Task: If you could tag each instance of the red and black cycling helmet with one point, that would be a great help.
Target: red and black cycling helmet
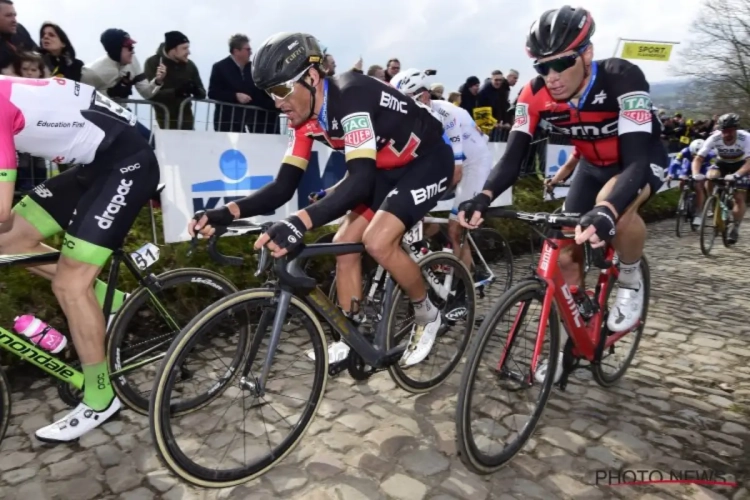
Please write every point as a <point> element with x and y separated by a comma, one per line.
<point>560,30</point>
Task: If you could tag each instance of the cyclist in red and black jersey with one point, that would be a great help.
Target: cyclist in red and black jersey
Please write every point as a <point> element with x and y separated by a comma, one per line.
<point>398,167</point>
<point>605,108</point>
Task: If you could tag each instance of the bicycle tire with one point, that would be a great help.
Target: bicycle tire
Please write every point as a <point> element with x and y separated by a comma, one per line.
<point>467,450</point>
<point>501,246</point>
<point>129,395</point>
<point>159,409</point>
<point>5,403</point>
<point>725,224</point>
<point>691,211</point>
<point>400,375</point>
<point>711,202</point>
<point>681,214</point>
<point>602,378</point>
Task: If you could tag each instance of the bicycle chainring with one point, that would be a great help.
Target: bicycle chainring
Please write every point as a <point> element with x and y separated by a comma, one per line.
<point>69,394</point>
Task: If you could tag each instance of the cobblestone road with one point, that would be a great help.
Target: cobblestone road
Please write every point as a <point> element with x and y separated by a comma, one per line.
<point>683,405</point>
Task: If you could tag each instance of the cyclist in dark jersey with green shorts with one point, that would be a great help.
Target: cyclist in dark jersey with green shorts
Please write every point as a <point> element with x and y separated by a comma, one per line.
<point>96,204</point>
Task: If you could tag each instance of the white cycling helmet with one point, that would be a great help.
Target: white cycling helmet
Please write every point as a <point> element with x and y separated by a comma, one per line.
<point>410,81</point>
<point>696,146</point>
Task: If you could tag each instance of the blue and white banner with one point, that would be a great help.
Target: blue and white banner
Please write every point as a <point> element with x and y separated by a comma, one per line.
<point>557,156</point>
<point>208,169</point>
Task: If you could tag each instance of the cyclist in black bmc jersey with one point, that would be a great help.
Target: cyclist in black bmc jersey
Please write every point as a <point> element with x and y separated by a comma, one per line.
<point>605,108</point>
<point>95,204</point>
<point>398,167</point>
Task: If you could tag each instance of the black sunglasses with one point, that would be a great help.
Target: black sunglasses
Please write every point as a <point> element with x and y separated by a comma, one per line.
<point>559,64</point>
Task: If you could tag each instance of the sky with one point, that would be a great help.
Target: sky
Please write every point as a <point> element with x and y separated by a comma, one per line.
<point>459,38</point>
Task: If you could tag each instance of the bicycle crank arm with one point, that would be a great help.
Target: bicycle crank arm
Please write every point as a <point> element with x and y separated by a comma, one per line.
<point>391,357</point>
<point>337,367</point>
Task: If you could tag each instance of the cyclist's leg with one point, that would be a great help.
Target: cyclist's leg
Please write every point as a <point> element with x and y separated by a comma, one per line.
<point>103,217</point>
<point>416,191</point>
<point>349,266</point>
<point>580,199</point>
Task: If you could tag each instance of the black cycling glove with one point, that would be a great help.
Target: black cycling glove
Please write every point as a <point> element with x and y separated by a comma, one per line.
<point>216,216</point>
<point>603,220</point>
<point>287,233</point>
<point>480,203</point>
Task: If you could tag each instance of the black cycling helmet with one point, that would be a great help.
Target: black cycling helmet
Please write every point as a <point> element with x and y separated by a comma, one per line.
<point>283,57</point>
<point>729,120</point>
<point>559,30</point>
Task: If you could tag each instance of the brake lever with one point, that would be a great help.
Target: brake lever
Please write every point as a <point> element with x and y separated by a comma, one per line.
<point>262,261</point>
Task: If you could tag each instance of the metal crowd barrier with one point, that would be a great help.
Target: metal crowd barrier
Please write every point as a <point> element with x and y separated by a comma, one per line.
<point>209,114</point>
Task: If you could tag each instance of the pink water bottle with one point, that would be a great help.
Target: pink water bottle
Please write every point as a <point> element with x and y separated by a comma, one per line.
<point>40,333</point>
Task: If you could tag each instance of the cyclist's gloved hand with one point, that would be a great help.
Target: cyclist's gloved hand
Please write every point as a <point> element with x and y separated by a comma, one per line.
<point>698,177</point>
<point>316,196</point>
<point>205,222</point>
<point>283,236</point>
<point>471,212</point>
<point>730,177</point>
<point>597,226</point>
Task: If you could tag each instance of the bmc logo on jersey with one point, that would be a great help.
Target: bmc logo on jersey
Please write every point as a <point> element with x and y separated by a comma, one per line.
<point>423,194</point>
<point>588,131</point>
<point>106,219</point>
<point>392,102</point>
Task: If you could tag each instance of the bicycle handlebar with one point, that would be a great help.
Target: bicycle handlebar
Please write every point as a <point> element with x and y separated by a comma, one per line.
<point>553,220</point>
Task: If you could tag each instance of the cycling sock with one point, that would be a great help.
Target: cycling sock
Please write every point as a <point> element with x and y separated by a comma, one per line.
<point>424,311</point>
<point>100,290</point>
<point>97,391</point>
<point>630,274</point>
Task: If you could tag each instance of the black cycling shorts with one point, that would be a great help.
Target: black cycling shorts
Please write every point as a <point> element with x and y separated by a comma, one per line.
<point>726,168</point>
<point>410,192</point>
<point>589,180</point>
<point>95,203</point>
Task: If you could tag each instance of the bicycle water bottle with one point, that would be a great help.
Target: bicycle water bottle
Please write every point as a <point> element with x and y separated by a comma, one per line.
<point>40,333</point>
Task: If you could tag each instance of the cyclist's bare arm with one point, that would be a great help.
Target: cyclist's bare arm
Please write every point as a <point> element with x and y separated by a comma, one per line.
<point>566,170</point>
<point>744,169</point>
<point>696,165</point>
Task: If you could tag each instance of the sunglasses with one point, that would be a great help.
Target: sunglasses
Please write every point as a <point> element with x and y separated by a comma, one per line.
<point>284,90</point>
<point>559,64</point>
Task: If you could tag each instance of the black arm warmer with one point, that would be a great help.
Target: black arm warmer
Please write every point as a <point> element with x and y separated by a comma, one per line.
<point>273,195</point>
<point>508,169</point>
<point>634,156</point>
<point>352,191</point>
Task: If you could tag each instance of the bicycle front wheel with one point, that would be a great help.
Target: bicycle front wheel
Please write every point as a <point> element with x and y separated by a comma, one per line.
<point>681,214</point>
<point>498,373</point>
<point>4,403</point>
<point>146,325</point>
<point>250,426</point>
<point>709,227</point>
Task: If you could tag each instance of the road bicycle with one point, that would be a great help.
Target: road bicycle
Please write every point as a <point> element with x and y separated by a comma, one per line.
<point>717,214</point>
<point>289,305</point>
<point>686,209</point>
<point>503,377</point>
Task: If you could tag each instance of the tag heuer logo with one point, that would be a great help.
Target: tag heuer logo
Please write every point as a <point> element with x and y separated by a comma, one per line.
<point>357,129</point>
<point>636,107</point>
<point>522,116</point>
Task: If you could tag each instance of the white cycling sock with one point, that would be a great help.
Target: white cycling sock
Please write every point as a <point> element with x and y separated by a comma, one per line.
<point>630,274</point>
<point>424,311</point>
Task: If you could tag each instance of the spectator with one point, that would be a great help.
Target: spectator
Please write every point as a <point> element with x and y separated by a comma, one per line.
<point>58,53</point>
<point>116,73</point>
<point>32,170</point>
<point>454,98</point>
<point>437,90</point>
<point>13,37</point>
<point>512,78</point>
<point>181,81</point>
<point>494,94</point>
<point>376,71</point>
<point>329,65</point>
<point>469,94</point>
<point>509,109</point>
<point>392,69</point>
<point>232,82</point>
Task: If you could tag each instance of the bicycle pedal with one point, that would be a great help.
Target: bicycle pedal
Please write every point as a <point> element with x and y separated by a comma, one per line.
<point>337,367</point>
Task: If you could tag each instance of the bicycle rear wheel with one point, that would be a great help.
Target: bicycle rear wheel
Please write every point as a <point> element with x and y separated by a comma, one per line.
<point>598,370</point>
<point>503,378</point>
<point>241,416</point>
<point>681,214</point>
<point>708,232</point>
<point>5,405</point>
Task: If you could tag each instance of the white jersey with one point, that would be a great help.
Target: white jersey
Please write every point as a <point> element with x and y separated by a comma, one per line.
<point>737,152</point>
<point>467,141</point>
<point>47,118</point>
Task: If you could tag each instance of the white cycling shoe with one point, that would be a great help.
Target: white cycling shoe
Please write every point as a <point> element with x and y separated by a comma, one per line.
<point>421,340</point>
<point>541,371</point>
<point>77,423</point>
<point>337,351</point>
<point>626,313</point>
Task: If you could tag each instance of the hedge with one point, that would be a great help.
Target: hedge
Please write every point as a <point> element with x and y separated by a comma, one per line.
<point>26,293</point>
